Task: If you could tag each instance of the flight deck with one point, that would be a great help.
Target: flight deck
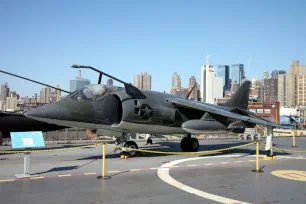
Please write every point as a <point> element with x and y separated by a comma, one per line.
<point>222,177</point>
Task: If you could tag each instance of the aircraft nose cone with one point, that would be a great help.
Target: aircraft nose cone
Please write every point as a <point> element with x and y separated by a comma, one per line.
<point>49,111</point>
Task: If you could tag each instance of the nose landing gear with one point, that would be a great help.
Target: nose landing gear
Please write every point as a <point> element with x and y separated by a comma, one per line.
<point>132,145</point>
<point>123,141</point>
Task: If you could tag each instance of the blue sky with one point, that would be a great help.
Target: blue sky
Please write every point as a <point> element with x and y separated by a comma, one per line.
<point>41,39</point>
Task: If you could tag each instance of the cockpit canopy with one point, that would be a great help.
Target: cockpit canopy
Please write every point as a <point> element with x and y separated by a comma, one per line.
<point>94,92</point>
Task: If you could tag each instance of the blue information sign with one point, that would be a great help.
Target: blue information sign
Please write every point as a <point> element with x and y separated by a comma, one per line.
<point>27,139</point>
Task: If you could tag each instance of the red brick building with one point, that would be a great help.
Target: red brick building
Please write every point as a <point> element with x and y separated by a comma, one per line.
<point>267,111</point>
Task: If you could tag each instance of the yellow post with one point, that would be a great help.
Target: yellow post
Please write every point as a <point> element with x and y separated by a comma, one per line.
<point>257,156</point>
<point>293,139</point>
<point>103,160</point>
<point>257,159</point>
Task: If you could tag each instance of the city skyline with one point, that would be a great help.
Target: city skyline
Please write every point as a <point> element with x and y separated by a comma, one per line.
<point>107,80</point>
<point>126,40</point>
<point>271,88</point>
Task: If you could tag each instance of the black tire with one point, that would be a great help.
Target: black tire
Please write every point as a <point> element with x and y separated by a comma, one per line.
<point>270,153</point>
<point>194,145</point>
<point>185,144</point>
<point>149,141</point>
<point>133,145</point>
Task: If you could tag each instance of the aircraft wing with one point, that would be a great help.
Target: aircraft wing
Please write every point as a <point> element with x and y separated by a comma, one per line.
<point>196,105</point>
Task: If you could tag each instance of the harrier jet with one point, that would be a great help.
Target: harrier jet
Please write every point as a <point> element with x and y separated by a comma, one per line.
<point>127,109</point>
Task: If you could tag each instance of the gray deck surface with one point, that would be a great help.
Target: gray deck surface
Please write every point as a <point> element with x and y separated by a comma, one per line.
<point>231,180</point>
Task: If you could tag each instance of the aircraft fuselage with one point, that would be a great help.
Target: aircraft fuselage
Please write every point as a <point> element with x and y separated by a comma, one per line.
<point>118,111</point>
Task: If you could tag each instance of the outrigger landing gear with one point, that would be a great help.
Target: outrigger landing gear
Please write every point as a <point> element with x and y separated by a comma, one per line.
<point>149,139</point>
<point>189,144</point>
<point>269,142</point>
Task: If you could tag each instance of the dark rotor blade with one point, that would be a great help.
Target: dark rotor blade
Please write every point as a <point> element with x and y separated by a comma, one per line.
<point>191,91</point>
<point>90,67</point>
<point>37,82</point>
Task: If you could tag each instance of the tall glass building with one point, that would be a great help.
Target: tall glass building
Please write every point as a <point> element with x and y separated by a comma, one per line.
<point>78,83</point>
<point>237,73</point>
<point>223,71</point>
<point>275,73</point>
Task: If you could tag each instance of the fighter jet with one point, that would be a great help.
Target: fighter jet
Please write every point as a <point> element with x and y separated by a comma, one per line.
<point>127,109</point>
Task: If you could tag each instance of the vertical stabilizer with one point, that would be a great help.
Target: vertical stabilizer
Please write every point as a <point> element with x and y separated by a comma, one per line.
<point>241,98</point>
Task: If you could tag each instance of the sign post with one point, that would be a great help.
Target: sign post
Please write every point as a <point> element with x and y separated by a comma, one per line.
<point>26,166</point>
<point>26,141</point>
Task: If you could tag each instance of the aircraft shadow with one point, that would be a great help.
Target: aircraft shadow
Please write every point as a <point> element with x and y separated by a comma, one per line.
<point>57,169</point>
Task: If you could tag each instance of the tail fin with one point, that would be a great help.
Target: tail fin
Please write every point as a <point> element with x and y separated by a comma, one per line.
<point>241,98</point>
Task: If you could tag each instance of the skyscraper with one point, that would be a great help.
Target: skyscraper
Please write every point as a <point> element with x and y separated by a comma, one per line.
<point>193,82</point>
<point>265,75</point>
<point>256,89</point>
<point>275,73</point>
<point>237,73</point>
<point>45,95</point>
<point>223,71</point>
<point>217,88</point>
<point>4,92</point>
<point>57,93</point>
<point>270,91</point>
<point>199,92</point>
<point>234,86</point>
<point>282,89</point>
<point>176,81</point>
<point>78,83</point>
<point>143,81</point>
<point>288,84</point>
<point>109,82</point>
<point>11,103</point>
<point>301,90</point>
<point>12,94</point>
<point>211,86</point>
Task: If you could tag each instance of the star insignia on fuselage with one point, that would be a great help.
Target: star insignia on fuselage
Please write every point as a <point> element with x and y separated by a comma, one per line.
<point>145,111</point>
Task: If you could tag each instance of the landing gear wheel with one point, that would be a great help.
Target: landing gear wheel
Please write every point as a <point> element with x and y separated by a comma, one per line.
<point>133,145</point>
<point>184,144</point>
<point>189,144</point>
<point>270,153</point>
<point>194,144</point>
<point>149,141</point>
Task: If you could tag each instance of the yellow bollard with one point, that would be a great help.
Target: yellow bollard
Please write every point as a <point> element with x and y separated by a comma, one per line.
<point>103,163</point>
<point>293,139</point>
<point>257,156</point>
<point>257,159</point>
<point>103,160</point>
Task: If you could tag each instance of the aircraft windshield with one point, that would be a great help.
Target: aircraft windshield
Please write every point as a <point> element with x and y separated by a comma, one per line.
<point>92,92</point>
<point>101,90</point>
<point>83,94</point>
<point>98,90</point>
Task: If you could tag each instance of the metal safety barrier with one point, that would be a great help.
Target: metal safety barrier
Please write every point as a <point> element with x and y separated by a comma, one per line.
<point>182,153</point>
<point>125,148</point>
